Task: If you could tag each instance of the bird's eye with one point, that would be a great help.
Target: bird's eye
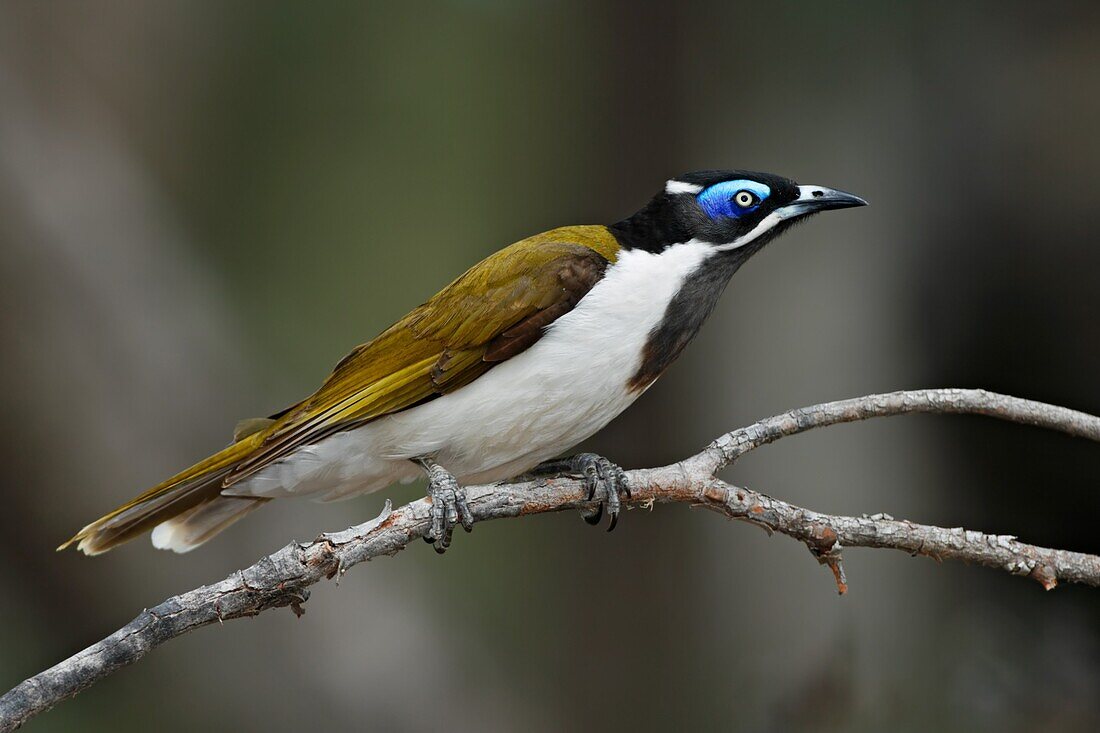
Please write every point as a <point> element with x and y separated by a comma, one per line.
<point>744,199</point>
<point>733,199</point>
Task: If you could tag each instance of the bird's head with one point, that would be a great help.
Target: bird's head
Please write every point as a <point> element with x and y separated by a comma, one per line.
<point>728,210</point>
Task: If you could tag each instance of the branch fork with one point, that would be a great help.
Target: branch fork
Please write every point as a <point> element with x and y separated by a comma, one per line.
<point>282,579</point>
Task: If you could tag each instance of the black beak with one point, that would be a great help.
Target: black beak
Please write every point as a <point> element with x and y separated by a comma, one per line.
<point>812,199</point>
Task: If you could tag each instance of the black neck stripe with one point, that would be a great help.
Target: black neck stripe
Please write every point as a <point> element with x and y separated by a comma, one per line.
<point>687,311</point>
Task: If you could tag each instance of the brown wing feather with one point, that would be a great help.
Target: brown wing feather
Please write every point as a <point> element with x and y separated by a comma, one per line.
<point>577,276</point>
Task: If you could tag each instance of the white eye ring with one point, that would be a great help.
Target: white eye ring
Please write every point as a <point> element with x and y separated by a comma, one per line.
<point>744,199</point>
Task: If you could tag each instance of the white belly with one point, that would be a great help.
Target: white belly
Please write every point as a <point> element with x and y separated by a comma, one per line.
<point>534,406</point>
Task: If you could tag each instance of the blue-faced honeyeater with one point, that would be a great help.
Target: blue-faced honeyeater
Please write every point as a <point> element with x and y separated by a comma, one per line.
<point>529,352</point>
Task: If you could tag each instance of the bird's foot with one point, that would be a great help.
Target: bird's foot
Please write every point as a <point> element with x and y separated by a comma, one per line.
<point>597,472</point>
<point>449,505</point>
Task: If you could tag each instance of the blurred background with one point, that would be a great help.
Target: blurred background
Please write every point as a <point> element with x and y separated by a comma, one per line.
<point>204,205</point>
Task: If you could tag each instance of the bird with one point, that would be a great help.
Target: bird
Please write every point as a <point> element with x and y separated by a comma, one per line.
<point>529,352</point>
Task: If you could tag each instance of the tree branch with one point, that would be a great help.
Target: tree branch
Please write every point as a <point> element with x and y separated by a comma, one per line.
<point>282,579</point>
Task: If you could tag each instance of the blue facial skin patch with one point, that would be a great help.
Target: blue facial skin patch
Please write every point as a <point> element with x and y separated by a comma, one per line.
<point>718,202</point>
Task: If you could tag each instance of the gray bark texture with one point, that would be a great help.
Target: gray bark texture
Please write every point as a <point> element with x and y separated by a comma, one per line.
<point>282,578</point>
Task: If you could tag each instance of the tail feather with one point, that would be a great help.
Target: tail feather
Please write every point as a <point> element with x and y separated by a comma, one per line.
<point>197,486</point>
<point>186,531</point>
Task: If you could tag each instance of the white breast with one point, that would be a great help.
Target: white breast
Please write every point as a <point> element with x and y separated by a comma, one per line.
<point>538,404</point>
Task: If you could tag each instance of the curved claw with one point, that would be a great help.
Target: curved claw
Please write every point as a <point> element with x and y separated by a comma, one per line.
<point>595,517</point>
<point>597,472</point>
<point>449,506</point>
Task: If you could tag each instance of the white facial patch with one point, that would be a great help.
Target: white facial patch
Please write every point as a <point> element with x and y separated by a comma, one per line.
<point>764,225</point>
<point>673,186</point>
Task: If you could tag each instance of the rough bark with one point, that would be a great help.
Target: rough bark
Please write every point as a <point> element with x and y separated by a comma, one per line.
<point>282,579</point>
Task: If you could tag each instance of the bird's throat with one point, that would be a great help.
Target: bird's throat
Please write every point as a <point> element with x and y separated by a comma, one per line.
<point>686,312</point>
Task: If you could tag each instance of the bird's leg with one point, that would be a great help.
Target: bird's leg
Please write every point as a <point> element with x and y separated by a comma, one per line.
<point>597,472</point>
<point>449,505</point>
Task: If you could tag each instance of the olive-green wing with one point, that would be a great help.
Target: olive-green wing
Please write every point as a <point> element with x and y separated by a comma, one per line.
<point>496,310</point>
